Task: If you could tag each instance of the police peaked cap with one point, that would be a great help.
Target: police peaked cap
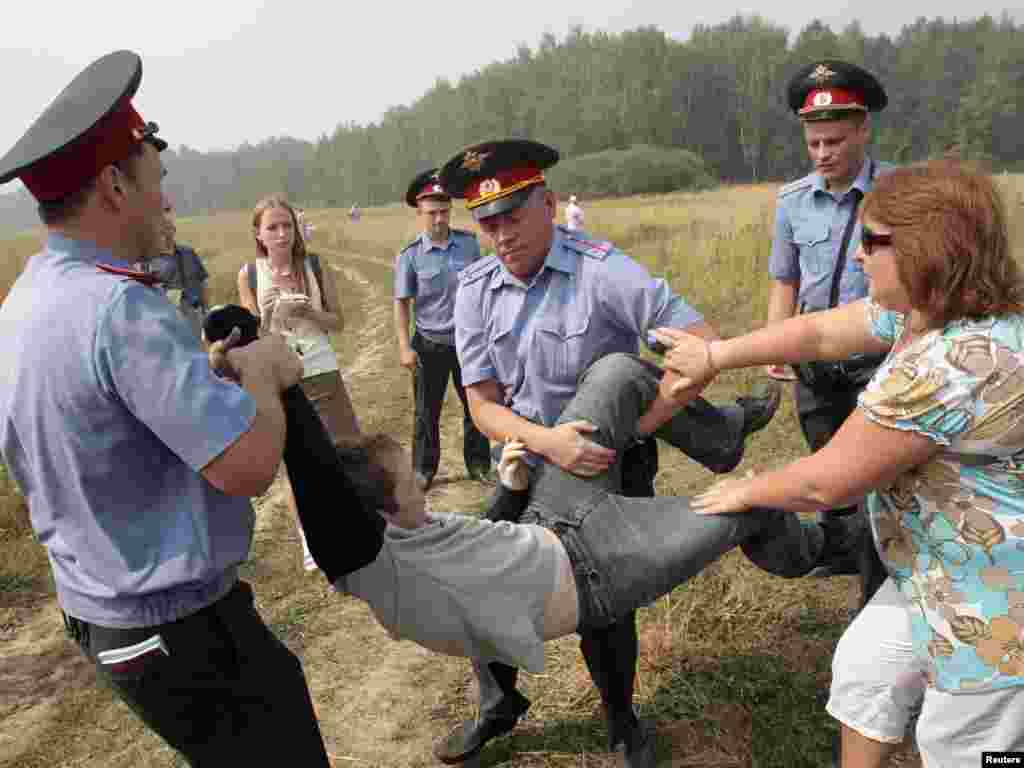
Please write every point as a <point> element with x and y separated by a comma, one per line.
<point>425,185</point>
<point>497,176</point>
<point>830,89</point>
<point>90,125</point>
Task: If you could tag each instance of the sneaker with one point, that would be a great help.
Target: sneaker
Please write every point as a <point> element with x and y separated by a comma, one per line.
<point>760,405</point>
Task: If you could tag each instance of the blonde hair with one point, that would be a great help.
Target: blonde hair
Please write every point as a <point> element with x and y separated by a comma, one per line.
<point>298,244</point>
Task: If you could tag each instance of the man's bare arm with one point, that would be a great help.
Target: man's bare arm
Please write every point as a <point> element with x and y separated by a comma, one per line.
<point>264,368</point>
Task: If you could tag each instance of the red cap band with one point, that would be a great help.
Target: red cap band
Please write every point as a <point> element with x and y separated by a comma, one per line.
<point>503,183</point>
<point>68,170</point>
<point>832,98</point>
<point>432,188</point>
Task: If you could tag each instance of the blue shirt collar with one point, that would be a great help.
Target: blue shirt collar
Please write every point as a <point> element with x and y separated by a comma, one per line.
<point>84,250</point>
<point>559,257</point>
<point>861,182</point>
<point>428,243</point>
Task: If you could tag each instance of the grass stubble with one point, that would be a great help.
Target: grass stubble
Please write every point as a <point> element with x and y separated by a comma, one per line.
<point>733,664</point>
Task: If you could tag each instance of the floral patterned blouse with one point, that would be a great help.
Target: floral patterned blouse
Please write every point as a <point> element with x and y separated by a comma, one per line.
<point>951,531</point>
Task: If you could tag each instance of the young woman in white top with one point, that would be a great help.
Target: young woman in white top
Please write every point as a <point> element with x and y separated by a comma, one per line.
<point>291,301</point>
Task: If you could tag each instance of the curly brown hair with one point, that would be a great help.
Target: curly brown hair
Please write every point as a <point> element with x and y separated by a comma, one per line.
<point>948,224</point>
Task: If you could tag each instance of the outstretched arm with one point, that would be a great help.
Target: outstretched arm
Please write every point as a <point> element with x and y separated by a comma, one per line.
<point>835,334</point>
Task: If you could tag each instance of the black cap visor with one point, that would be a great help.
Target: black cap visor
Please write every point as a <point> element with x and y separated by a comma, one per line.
<point>503,204</point>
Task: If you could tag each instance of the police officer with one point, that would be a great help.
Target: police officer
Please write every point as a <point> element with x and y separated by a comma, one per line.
<point>529,321</point>
<point>816,233</point>
<point>426,276</point>
<point>811,265</point>
<point>182,274</point>
<point>136,460</point>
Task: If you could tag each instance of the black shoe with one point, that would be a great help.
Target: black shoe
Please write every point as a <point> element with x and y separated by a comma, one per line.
<point>634,746</point>
<point>760,405</point>
<point>468,738</point>
<point>786,546</point>
<point>844,540</point>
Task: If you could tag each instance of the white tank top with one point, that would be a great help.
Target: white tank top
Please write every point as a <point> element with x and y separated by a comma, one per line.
<point>304,336</point>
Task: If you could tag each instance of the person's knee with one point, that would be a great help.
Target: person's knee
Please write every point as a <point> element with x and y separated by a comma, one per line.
<point>618,376</point>
<point>616,367</point>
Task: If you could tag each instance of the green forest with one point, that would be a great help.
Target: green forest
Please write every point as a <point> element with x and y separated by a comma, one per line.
<point>705,110</point>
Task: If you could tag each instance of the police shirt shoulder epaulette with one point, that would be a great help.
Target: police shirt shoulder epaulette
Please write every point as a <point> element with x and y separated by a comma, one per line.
<point>479,269</point>
<point>795,186</point>
<point>595,249</point>
<point>129,275</point>
<point>407,246</point>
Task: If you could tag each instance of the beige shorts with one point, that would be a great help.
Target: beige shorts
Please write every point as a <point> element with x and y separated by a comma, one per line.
<point>327,393</point>
<point>879,687</point>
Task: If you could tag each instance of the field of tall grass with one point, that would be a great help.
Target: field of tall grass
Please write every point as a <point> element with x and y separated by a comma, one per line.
<point>756,649</point>
<point>712,247</point>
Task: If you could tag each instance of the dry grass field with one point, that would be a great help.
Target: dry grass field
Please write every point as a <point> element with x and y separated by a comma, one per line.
<point>733,663</point>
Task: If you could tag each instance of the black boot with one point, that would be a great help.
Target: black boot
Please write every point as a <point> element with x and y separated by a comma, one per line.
<point>469,737</point>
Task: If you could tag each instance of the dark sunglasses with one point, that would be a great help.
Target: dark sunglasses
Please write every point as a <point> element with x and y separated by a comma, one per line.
<point>870,239</point>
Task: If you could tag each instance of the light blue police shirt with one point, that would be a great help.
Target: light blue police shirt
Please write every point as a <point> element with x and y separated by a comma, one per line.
<point>536,339</point>
<point>108,411</point>
<point>809,225</point>
<point>429,273</point>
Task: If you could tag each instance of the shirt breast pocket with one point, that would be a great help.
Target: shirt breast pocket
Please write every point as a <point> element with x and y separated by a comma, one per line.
<point>561,347</point>
<point>430,282</point>
<point>812,240</point>
<point>504,354</point>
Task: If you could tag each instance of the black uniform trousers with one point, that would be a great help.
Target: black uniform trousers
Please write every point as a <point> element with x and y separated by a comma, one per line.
<point>437,363</point>
<point>221,689</point>
<point>821,414</point>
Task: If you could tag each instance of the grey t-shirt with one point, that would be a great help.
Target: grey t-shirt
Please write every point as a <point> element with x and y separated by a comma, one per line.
<point>464,587</point>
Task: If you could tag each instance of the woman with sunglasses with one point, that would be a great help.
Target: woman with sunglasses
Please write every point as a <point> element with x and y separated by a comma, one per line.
<point>937,443</point>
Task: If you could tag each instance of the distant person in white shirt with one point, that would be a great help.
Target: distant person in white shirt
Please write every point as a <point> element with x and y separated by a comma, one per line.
<point>353,212</point>
<point>573,215</point>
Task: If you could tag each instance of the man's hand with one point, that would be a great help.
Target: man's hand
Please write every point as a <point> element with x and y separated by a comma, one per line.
<point>688,356</point>
<point>218,354</point>
<point>267,356</point>
<point>408,358</point>
<point>570,450</point>
<point>512,470</point>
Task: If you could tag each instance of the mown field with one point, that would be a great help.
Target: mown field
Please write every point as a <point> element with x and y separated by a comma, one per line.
<point>733,664</point>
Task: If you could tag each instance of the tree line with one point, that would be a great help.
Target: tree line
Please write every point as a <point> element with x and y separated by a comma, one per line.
<point>954,86</point>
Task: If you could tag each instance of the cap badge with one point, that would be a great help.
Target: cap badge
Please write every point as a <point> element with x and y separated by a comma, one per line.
<point>473,160</point>
<point>490,187</point>
<point>821,74</point>
<point>822,99</point>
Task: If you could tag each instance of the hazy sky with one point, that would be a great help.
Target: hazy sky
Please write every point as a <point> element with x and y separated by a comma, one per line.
<point>217,73</point>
